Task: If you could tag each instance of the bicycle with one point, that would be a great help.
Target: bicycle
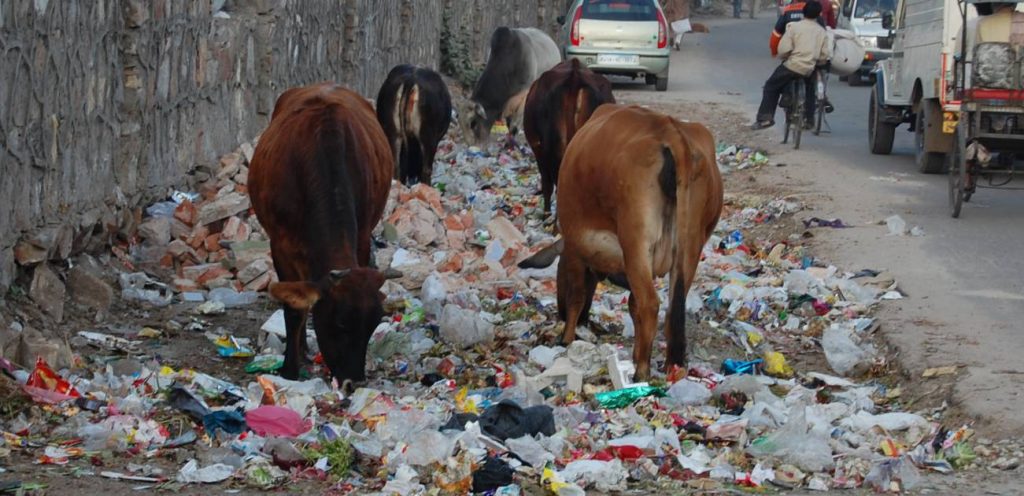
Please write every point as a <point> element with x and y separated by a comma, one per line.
<point>794,109</point>
<point>821,97</point>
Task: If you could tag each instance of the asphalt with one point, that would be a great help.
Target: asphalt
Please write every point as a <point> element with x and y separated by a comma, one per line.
<point>964,279</point>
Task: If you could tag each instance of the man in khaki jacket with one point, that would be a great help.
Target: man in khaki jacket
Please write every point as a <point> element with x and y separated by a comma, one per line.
<point>803,47</point>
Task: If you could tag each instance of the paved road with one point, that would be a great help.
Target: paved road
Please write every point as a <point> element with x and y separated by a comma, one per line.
<point>964,278</point>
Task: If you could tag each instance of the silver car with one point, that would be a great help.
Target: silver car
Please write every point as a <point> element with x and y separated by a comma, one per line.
<point>624,37</point>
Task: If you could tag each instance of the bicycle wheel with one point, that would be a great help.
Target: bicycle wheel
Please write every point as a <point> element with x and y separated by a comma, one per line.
<point>786,110</point>
<point>819,109</point>
<point>798,111</point>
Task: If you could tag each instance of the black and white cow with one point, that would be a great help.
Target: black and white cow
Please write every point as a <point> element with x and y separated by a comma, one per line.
<point>518,56</point>
<point>415,109</point>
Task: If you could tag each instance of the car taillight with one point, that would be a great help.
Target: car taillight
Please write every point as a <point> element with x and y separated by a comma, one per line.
<point>574,34</point>
<point>662,30</point>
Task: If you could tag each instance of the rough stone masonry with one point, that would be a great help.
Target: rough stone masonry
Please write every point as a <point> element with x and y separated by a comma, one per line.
<point>107,105</point>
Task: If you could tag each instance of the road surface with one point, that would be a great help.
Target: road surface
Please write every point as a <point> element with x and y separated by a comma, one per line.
<point>964,278</point>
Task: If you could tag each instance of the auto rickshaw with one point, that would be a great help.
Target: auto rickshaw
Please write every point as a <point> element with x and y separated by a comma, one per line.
<point>983,104</point>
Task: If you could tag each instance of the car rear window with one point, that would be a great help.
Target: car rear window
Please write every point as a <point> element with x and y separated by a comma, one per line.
<point>620,10</point>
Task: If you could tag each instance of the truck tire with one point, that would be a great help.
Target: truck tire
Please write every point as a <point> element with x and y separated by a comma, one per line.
<point>880,134</point>
<point>927,162</point>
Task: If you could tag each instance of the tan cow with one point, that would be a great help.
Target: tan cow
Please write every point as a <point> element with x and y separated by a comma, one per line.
<point>639,193</point>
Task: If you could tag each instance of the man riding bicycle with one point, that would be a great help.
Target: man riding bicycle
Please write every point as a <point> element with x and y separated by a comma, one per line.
<point>803,47</point>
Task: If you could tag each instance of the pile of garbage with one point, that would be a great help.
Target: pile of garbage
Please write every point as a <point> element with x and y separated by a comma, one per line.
<point>737,157</point>
<point>208,240</point>
<point>468,391</point>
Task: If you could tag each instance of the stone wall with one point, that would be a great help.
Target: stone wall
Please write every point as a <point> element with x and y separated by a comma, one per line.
<point>106,105</point>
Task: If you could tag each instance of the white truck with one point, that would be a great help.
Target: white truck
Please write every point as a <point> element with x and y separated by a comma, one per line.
<point>911,85</point>
<point>864,19</point>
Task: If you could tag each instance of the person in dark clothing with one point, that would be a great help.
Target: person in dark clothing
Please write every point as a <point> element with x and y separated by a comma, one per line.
<point>803,47</point>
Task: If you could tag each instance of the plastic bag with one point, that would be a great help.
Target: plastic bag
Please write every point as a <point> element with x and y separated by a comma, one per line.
<point>844,355</point>
<point>464,328</point>
<point>529,450</point>
<point>44,380</point>
<point>277,421</point>
<point>794,444</point>
<point>492,474</point>
<point>891,470</point>
<point>689,393</point>
<point>605,476</point>
<point>191,473</point>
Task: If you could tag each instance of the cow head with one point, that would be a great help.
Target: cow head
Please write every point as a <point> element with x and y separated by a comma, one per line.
<point>473,121</point>
<point>347,306</point>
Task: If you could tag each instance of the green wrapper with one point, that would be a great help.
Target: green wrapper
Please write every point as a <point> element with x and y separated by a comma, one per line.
<point>623,397</point>
<point>264,363</point>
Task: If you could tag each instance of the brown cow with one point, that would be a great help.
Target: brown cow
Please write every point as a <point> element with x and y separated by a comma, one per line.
<point>639,195</point>
<point>319,181</point>
<point>559,103</point>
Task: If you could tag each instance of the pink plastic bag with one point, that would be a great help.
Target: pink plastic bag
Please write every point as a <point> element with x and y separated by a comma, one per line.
<point>279,421</point>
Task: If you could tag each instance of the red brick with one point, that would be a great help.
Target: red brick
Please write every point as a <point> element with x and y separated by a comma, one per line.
<point>217,256</point>
<point>216,271</point>
<point>198,237</point>
<point>231,226</point>
<point>186,212</point>
<point>212,243</point>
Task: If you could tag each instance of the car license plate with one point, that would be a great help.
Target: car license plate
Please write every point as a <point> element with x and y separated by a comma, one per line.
<point>617,59</point>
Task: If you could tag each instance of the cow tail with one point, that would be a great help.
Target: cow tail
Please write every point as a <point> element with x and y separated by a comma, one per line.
<point>677,196</point>
<point>411,154</point>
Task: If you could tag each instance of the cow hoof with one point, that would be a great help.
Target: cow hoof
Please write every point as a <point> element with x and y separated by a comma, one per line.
<point>641,375</point>
<point>290,373</point>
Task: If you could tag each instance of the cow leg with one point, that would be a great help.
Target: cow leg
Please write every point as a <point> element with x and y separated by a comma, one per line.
<point>427,156</point>
<point>547,184</point>
<point>683,273</point>
<point>295,342</point>
<point>572,285</point>
<point>644,305</point>
<point>590,280</point>
<point>413,161</point>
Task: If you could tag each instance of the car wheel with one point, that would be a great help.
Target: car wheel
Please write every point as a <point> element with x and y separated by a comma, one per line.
<point>880,134</point>
<point>661,83</point>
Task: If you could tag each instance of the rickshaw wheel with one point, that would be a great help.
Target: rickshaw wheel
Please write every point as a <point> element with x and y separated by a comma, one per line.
<point>957,173</point>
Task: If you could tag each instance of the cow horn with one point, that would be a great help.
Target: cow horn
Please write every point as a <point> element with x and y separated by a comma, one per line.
<point>392,274</point>
<point>338,275</point>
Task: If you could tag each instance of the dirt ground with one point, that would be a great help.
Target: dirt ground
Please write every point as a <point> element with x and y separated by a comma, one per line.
<point>183,344</point>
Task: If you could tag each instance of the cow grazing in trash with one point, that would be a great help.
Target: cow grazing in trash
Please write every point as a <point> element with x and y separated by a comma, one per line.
<point>639,194</point>
<point>559,103</point>
<point>518,56</point>
<point>319,181</point>
<point>414,108</point>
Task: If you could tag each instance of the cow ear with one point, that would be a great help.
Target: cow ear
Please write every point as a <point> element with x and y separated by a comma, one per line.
<point>297,295</point>
<point>339,275</point>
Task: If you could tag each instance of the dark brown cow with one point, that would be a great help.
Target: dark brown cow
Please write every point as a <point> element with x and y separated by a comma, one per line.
<point>639,194</point>
<point>559,103</point>
<point>319,181</point>
<point>414,109</point>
